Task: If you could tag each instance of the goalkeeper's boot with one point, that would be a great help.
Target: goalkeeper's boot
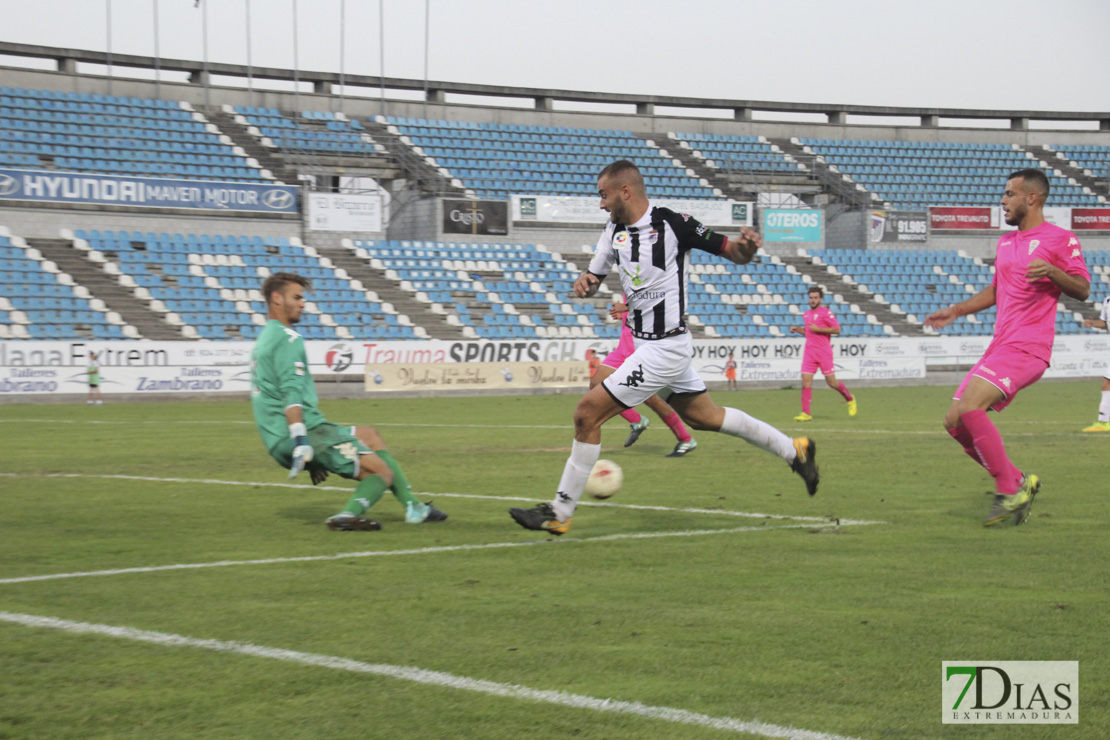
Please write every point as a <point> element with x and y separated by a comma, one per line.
<point>805,462</point>
<point>1099,426</point>
<point>541,518</point>
<point>345,522</point>
<point>852,408</point>
<point>418,513</point>
<point>637,429</point>
<point>1013,506</point>
<point>682,448</point>
<point>803,417</point>
<point>1032,484</point>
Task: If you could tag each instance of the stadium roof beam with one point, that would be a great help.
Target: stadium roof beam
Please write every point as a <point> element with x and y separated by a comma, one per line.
<point>539,99</point>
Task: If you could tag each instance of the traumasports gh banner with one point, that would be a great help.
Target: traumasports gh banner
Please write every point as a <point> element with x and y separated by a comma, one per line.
<point>145,192</point>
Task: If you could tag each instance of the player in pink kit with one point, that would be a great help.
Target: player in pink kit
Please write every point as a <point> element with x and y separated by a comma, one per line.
<point>1032,267</point>
<point>612,361</point>
<point>820,327</point>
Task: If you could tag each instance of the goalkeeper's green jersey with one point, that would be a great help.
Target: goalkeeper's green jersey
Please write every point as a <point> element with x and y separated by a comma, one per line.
<point>279,379</point>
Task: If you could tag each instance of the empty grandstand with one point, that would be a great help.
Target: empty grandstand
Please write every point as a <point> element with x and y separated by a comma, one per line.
<point>155,213</point>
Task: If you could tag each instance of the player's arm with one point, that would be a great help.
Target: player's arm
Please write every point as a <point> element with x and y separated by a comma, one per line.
<point>587,284</point>
<point>291,363</point>
<point>1076,286</point>
<point>1094,324</point>
<point>742,249</point>
<point>982,300</point>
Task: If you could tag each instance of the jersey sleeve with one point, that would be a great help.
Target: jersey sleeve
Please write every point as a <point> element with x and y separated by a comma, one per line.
<point>693,234</point>
<point>1105,309</point>
<point>290,369</point>
<point>1069,257</point>
<point>830,321</point>
<point>604,256</point>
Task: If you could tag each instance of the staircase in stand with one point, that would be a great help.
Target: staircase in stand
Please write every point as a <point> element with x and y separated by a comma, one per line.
<point>107,288</point>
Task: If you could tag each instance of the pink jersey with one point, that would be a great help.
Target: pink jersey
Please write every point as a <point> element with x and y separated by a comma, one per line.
<point>1026,318</point>
<point>819,346</point>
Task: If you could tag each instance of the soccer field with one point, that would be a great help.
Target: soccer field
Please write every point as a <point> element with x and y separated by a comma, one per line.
<point>160,577</point>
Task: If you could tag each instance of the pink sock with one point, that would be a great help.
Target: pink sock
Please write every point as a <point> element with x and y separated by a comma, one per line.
<point>807,397</point>
<point>963,436</point>
<point>988,443</point>
<point>843,389</point>
<point>676,425</point>
<point>632,416</point>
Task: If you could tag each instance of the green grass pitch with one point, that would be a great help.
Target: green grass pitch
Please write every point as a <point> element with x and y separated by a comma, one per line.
<point>160,577</point>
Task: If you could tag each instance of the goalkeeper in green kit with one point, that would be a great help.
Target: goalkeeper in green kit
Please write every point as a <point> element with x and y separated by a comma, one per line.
<point>298,437</point>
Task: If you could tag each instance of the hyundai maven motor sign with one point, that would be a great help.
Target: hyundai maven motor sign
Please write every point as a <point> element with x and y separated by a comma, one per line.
<point>146,192</point>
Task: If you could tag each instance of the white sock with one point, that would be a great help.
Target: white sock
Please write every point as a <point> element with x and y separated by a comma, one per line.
<point>575,474</point>
<point>1104,407</point>
<point>759,433</point>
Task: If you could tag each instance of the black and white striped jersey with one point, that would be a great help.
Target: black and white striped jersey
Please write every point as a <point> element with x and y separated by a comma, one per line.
<point>1105,313</point>
<point>652,257</point>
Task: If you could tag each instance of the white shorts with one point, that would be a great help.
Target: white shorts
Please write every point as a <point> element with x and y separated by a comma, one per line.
<point>656,364</point>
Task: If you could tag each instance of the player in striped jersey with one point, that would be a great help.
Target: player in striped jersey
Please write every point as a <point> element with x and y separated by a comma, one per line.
<point>650,247</point>
<point>1102,322</point>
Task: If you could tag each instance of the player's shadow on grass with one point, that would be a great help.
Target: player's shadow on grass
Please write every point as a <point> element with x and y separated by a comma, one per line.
<point>309,514</point>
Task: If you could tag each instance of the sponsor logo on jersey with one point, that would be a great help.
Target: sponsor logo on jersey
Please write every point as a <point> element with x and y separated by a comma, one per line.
<point>1076,253</point>
<point>621,240</point>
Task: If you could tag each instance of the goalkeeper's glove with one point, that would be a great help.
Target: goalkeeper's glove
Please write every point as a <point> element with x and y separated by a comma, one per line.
<point>302,450</point>
<point>317,474</point>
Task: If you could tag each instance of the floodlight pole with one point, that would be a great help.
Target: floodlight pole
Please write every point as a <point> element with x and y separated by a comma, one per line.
<point>381,52</point>
<point>108,26</point>
<point>204,38</point>
<point>296,64</point>
<point>427,12</point>
<point>342,51</point>
<point>157,56</point>
<point>250,69</point>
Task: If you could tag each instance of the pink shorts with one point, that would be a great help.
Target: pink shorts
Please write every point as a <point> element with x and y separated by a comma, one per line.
<point>1009,370</point>
<point>625,347</point>
<point>811,364</point>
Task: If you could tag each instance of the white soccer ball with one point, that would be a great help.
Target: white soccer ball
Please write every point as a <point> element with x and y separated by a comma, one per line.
<point>605,479</point>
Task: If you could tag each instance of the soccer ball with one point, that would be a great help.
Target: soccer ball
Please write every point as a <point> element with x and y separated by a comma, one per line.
<point>605,479</point>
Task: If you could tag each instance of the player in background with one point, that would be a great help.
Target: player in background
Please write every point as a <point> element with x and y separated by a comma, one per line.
<point>93,372</point>
<point>1032,267</point>
<point>819,327</point>
<point>296,434</point>
<point>1103,423</point>
<point>730,373</point>
<point>649,246</point>
<point>612,361</point>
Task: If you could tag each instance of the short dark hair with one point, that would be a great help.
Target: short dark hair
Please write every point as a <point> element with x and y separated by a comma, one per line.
<point>622,169</point>
<point>816,289</point>
<point>1035,180</point>
<point>277,282</point>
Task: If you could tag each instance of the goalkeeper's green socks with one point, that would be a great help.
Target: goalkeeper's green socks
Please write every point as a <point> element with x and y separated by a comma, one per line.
<point>401,487</point>
<point>368,492</point>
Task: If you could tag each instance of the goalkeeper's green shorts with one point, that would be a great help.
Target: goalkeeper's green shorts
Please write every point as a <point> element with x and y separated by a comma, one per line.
<point>334,448</point>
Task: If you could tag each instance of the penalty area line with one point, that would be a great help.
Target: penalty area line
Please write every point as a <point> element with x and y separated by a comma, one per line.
<point>411,551</point>
<point>439,679</point>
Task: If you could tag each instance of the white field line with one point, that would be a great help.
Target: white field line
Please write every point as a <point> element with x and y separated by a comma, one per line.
<point>600,504</point>
<point>413,551</point>
<point>938,431</point>
<point>427,677</point>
